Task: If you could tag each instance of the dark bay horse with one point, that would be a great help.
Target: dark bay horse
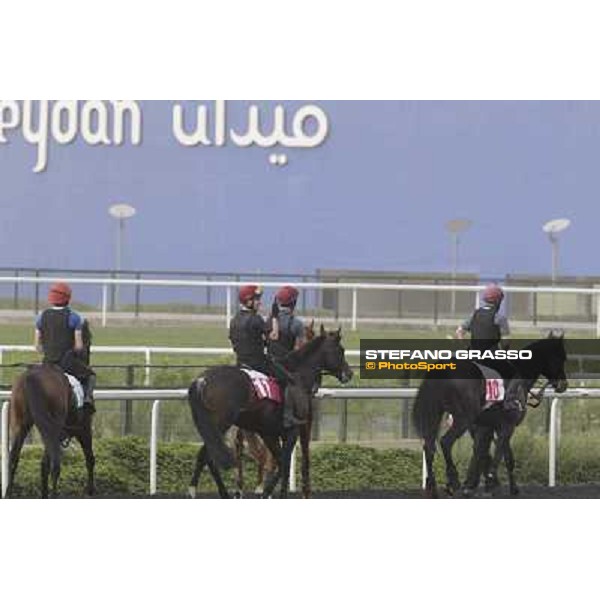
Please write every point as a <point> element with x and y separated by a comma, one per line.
<point>260,453</point>
<point>226,397</point>
<point>462,394</point>
<point>42,396</point>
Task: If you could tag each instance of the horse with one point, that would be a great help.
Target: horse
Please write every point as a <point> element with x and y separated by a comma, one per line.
<point>461,393</point>
<point>260,453</point>
<point>226,397</point>
<point>42,396</point>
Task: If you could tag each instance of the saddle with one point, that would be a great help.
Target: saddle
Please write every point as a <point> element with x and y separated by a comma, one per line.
<point>265,387</point>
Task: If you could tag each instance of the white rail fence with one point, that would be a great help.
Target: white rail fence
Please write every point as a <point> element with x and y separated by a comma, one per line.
<point>231,286</point>
<point>159,396</point>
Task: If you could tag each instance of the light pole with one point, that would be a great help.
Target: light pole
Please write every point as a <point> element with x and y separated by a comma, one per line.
<point>553,228</point>
<point>121,212</point>
<point>455,227</point>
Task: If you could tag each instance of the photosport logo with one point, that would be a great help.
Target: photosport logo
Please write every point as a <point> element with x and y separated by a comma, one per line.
<point>415,359</point>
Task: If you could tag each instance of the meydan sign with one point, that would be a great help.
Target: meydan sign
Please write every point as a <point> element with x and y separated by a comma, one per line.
<point>113,123</point>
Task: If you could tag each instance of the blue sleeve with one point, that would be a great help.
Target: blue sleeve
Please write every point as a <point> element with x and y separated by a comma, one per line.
<point>75,321</point>
<point>502,322</point>
<point>38,322</point>
<point>297,328</point>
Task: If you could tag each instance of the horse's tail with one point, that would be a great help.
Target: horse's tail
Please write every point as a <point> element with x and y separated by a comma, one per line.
<point>208,429</point>
<point>49,425</point>
<point>427,413</point>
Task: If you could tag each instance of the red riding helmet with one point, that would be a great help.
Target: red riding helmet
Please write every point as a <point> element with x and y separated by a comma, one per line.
<point>493,294</point>
<point>249,292</point>
<point>59,294</point>
<point>287,295</point>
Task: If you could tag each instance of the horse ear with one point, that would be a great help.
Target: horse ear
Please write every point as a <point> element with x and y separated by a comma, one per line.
<point>322,331</point>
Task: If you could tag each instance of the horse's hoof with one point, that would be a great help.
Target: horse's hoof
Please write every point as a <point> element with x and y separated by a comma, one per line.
<point>514,491</point>
<point>259,490</point>
<point>431,493</point>
<point>192,492</point>
<point>468,492</point>
<point>450,490</point>
<point>238,495</point>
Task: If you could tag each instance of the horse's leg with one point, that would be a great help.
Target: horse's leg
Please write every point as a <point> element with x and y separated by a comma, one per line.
<point>216,474</point>
<point>509,461</point>
<point>431,490</point>
<point>505,432</point>
<point>286,459</point>
<point>480,459</point>
<point>15,455</point>
<point>258,453</point>
<point>456,431</point>
<point>273,445</point>
<point>239,455</point>
<point>45,472</point>
<point>55,459</point>
<point>305,432</point>
<point>85,440</point>
<point>199,466</point>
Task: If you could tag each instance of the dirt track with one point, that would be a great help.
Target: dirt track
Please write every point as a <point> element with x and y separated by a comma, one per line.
<point>528,492</point>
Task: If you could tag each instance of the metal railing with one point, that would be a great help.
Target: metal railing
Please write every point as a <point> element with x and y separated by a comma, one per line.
<point>158,396</point>
<point>353,287</point>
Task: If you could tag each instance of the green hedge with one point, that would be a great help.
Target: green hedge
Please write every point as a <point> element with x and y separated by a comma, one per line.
<point>122,467</point>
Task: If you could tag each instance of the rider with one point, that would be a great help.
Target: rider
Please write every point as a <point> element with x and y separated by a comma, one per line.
<point>58,334</point>
<point>486,324</point>
<point>248,333</point>
<point>248,330</point>
<point>487,327</point>
<point>286,335</point>
<point>289,335</point>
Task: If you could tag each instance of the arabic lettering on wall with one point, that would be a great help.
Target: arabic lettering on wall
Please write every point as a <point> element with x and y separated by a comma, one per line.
<point>118,122</point>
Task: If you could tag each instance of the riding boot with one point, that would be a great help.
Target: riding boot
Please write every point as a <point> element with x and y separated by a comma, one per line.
<point>289,417</point>
<point>88,398</point>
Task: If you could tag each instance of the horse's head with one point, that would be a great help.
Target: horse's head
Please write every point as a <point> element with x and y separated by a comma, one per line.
<point>552,356</point>
<point>333,358</point>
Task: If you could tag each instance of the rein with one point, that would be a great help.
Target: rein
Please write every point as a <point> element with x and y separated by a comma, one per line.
<point>539,396</point>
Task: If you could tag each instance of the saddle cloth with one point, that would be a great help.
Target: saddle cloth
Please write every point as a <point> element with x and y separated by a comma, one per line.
<point>265,387</point>
<point>494,385</point>
<point>77,389</point>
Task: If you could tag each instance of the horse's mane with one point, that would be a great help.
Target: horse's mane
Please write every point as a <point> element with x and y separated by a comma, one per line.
<point>296,357</point>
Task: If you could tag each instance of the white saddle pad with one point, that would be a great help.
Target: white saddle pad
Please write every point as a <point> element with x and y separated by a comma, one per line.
<point>77,389</point>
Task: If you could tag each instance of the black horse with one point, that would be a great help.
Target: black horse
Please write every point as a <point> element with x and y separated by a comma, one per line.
<point>42,396</point>
<point>226,397</point>
<point>462,394</point>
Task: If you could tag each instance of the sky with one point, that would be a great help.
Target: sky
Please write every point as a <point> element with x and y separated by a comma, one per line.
<point>375,194</point>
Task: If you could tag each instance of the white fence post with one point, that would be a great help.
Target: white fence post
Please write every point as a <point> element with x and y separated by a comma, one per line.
<point>147,353</point>
<point>553,441</point>
<point>154,446</point>
<point>104,304</point>
<point>354,307</point>
<point>293,470</point>
<point>423,472</point>
<point>597,315</point>
<point>228,311</point>
<point>5,447</point>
